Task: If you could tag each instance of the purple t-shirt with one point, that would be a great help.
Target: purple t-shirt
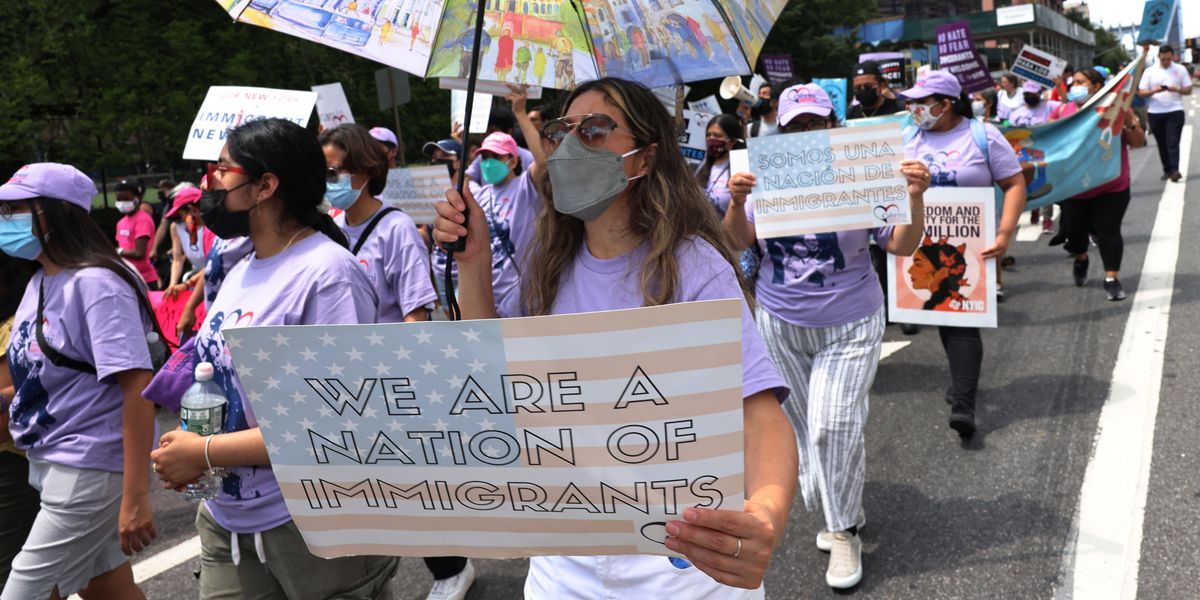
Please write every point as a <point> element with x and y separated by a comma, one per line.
<point>1031,116</point>
<point>500,203</point>
<point>590,284</point>
<point>819,279</point>
<point>956,161</point>
<point>61,415</point>
<point>315,281</point>
<point>396,263</point>
<point>220,259</point>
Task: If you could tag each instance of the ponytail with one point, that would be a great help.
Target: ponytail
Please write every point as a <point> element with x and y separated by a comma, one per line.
<point>324,224</point>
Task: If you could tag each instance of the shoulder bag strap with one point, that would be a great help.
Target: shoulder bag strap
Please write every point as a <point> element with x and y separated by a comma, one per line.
<point>362,239</point>
<point>51,353</point>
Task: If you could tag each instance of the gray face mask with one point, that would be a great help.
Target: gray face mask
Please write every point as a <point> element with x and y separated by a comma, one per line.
<point>585,181</point>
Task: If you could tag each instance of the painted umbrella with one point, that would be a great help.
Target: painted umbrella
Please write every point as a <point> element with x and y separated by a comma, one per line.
<point>551,43</point>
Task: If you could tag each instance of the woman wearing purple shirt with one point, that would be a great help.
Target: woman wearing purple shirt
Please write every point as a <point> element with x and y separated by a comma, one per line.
<point>942,114</point>
<point>79,362</point>
<point>820,309</point>
<point>268,183</point>
<point>625,225</point>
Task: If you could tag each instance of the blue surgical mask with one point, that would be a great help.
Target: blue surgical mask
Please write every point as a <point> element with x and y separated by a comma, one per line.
<point>17,238</point>
<point>1078,94</point>
<point>493,170</point>
<point>341,193</point>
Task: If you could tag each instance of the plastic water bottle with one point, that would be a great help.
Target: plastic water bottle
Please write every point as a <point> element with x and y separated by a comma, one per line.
<point>202,412</point>
<point>158,350</point>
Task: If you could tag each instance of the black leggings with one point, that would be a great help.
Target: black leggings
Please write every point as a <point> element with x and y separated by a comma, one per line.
<point>1101,216</point>
<point>964,351</point>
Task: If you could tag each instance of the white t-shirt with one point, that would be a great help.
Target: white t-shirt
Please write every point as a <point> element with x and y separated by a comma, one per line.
<point>1154,78</point>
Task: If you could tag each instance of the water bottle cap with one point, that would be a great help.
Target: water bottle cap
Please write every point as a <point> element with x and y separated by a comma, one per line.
<point>204,371</point>
<point>152,337</point>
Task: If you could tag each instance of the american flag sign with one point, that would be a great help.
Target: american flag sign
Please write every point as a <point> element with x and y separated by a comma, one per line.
<point>562,435</point>
<point>828,180</point>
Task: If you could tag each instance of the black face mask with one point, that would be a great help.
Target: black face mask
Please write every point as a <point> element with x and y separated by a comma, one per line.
<point>717,149</point>
<point>759,109</point>
<point>224,224</point>
<point>1033,100</point>
<point>866,96</point>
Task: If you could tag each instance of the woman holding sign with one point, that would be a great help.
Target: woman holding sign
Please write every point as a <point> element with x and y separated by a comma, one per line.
<point>947,138</point>
<point>623,225</point>
<point>820,309</point>
<point>267,185</point>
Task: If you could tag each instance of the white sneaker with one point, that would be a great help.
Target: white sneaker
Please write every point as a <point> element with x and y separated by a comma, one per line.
<point>453,588</point>
<point>845,561</point>
<point>825,538</point>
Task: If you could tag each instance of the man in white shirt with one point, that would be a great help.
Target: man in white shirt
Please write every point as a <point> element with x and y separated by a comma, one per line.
<point>1163,86</point>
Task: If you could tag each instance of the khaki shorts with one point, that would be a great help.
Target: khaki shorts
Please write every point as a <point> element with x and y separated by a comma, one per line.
<point>290,572</point>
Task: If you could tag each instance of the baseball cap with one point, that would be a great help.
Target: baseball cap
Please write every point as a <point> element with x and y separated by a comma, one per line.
<point>183,198</point>
<point>499,143</point>
<point>50,180</point>
<point>447,145</point>
<point>934,82</point>
<point>383,134</point>
<point>1031,87</point>
<point>808,98</point>
<point>868,68</point>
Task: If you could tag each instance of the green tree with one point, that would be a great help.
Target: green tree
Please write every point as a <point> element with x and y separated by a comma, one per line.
<point>1109,51</point>
<point>805,30</point>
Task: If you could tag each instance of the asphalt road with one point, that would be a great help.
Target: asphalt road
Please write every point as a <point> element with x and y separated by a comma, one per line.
<point>995,518</point>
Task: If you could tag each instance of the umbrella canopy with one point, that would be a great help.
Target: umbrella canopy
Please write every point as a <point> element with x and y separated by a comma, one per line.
<point>551,43</point>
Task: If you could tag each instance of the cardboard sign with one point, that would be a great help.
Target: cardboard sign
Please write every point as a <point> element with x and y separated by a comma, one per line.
<point>1037,66</point>
<point>836,89</point>
<point>495,88</point>
<point>415,190</point>
<point>573,434</point>
<point>226,107</point>
<point>957,54</point>
<point>826,181</point>
<point>332,107</point>
<point>947,281</point>
<point>708,105</point>
<point>1157,17</point>
<point>692,141</point>
<point>481,110</point>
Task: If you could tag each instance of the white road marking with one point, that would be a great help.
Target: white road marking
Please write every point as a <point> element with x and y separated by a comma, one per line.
<point>1102,561</point>
<point>890,348</point>
<point>1028,232</point>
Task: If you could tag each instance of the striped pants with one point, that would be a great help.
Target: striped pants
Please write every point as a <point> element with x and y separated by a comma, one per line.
<point>830,371</point>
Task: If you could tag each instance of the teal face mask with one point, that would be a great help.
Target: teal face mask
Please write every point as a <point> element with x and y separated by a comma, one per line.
<point>493,170</point>
<point>341,193</point>
<point>17,239</point>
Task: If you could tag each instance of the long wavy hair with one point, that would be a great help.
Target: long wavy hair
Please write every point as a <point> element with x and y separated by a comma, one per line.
<point>945,256</point>
<point>666,206</point>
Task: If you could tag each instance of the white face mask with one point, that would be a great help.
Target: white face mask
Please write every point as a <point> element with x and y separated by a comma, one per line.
<point>923,116</point>
<point>126,206</point>
<point>979,108</point>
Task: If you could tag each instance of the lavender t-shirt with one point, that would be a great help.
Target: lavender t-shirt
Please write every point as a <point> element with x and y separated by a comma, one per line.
<point>819,279</point>
<point>61,415</point>
<point>717,188</point>
<point>1030,116</point>
<point>956,161</point>
<point>315,281</point>
<point>500,203</point>
<point>396,263</point>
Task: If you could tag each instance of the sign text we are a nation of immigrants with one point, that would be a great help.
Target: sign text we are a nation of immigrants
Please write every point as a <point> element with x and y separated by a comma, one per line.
<point>573,435</point>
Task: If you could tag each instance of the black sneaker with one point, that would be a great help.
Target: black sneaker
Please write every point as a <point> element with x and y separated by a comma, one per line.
<point>1112,287</point>
<point>962,420</point>
<point>910,328</point>
<point>1176,176</point>
<point>1079,271</point>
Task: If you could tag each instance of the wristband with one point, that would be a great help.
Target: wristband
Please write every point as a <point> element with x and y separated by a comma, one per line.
<point>208,441</point>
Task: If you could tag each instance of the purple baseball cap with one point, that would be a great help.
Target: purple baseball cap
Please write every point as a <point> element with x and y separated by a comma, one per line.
<point>934,82</point>
<point>1031,87</point>
<point>50,180</point>
<point>808,98</point>
<point>383,134</point>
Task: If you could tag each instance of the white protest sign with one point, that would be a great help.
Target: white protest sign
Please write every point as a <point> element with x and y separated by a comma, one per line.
<point>829,180</point>
<point>332,107</point>
<point>577,434</point>
<point>226,107</point>
<point>706,105</point>
<point>947,281</point>
<point>1038,66</point>
<point>691,141</point>
<point>481,110</point>
<point>495,88</point>
<point>415,190</point>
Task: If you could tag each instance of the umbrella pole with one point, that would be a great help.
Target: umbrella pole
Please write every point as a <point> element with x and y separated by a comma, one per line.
<point>461,244</point>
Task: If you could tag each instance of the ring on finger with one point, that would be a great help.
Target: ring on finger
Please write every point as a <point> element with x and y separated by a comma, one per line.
<point>738,552</point>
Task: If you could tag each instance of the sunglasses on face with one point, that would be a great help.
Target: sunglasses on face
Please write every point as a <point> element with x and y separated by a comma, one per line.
<point>215,169</point>
<point>8,209</point>
<point>592,129</point>
<point>333,173</point>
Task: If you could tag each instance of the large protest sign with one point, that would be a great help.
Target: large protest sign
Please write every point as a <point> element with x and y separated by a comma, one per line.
<point>415,190</point>
<point>1157,17</point>
<point>778,67</point>
<point>332,107</point>
<point>947,281</point>
<point>957,54</point>
<point>1037,66</point>
<point>825,181</point>
<point>573,434</point>
<point>226,107</point>
<point>836,89</point>
<point>481,110</point>
<point>692,141</point>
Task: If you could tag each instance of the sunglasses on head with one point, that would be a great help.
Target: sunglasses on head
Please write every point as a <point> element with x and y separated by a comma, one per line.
<point>592,129</point>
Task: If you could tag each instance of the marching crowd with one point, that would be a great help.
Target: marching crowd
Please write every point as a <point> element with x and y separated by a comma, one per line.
<point>594,210</point>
